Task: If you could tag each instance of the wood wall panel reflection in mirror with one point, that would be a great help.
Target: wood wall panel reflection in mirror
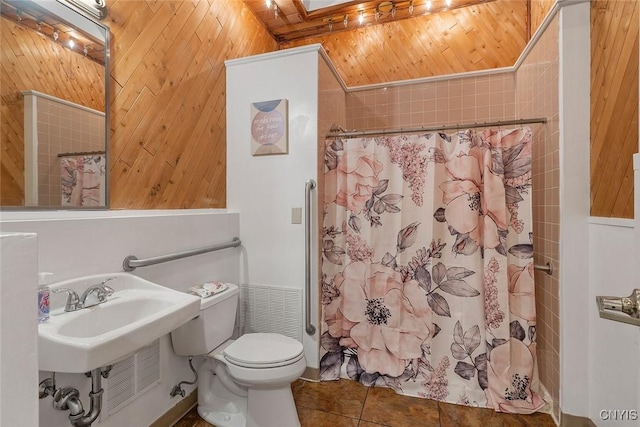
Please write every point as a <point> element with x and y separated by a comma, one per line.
<point>36,57</point>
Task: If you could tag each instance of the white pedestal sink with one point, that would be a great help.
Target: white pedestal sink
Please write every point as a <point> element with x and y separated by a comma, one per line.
<point>137,313</point>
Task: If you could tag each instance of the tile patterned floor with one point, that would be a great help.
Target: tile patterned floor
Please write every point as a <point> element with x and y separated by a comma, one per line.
<point>346,403</point>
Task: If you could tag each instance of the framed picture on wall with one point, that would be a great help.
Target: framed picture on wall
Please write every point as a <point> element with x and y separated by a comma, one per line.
<point>270,127</point>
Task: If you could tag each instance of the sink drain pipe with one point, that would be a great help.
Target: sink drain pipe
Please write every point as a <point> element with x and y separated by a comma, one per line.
<point>68,398</point>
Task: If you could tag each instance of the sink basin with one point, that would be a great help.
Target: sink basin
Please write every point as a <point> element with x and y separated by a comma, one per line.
<point>138,313</point>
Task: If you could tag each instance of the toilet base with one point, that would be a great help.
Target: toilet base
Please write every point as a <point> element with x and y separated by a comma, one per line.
<point>273,407</point>
<point>265,410</point>
<point>261,407</point>
<point>222,413</point>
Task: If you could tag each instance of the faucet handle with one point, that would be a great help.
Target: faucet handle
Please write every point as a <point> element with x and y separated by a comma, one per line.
<point>73,301</point>
<point>107,280</point>
<point>108,289</point>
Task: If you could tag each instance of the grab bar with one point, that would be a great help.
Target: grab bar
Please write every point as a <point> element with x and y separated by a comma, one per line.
<point>308,187</point>
<point>132,262</point>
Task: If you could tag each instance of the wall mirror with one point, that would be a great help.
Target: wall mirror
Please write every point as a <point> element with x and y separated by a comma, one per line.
<point>54,134</point>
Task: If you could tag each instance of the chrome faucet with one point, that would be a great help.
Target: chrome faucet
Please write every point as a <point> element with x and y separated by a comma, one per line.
<point>94,295</point>
<point>73,302</point>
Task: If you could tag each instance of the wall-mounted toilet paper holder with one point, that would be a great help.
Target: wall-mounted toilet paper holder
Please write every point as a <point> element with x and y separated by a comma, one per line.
<point>621,309</point>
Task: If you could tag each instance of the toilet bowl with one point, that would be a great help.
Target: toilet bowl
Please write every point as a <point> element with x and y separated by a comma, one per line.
<point>244,382</point>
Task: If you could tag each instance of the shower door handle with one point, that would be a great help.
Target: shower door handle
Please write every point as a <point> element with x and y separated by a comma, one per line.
<point>308,189</point>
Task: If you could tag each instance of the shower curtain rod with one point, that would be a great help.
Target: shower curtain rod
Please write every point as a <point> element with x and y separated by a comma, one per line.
<point>338,132</point>
<point>81,153</point>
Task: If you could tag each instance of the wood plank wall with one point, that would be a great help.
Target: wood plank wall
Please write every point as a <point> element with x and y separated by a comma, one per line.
<point>168,146</point>
<point>473,38</point>
<point>538,10</point>
<point>30,61</point>
<point>168,122</point>
<point>614,106</point>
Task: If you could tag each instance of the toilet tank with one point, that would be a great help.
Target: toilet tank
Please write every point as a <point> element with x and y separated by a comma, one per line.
<point>211,328</point>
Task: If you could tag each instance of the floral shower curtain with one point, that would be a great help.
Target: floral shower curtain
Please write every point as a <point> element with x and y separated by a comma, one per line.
<point>82,180</point>
<point>428,267</point>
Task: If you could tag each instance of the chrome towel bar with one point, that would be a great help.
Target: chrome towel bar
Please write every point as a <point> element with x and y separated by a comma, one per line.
<point>308,188</point>
<point>132,262</point>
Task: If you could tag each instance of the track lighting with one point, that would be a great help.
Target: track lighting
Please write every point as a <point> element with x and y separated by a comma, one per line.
<point>361,18</point>
<point>56,34</point>
<point>410,7</point>
<point>346,21</point>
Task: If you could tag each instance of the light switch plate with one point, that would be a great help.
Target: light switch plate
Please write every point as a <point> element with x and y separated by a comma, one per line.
<point>296,215</point>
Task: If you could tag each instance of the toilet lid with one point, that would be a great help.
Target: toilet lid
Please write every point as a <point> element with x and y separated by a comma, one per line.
<point>263,350</point>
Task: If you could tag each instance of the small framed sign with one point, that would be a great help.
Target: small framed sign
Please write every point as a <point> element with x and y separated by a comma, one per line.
<point>270,127</point>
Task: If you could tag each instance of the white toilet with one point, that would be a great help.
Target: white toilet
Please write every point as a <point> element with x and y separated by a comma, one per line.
<point>241,383</point>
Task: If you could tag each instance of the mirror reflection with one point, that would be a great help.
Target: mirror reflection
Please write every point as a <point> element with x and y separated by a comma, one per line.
<point>53,138</point>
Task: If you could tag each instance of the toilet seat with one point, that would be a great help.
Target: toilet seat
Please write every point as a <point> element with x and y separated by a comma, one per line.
<point>263,350</point>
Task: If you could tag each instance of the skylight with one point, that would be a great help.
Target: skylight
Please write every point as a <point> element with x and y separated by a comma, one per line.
<point>312,5</point>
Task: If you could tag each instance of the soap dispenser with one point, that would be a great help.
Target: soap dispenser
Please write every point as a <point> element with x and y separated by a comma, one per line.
<point>43,297</point>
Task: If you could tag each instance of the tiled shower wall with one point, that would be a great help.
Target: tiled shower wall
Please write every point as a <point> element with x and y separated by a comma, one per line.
<point>63,128</point>
<point>445,102</point>
<point>537,96</point>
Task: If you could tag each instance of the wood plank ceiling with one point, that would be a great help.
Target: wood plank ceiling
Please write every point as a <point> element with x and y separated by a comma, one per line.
<point>289,20</point>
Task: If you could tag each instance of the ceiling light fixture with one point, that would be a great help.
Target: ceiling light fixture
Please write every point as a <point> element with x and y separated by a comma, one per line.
<point>393,11</point>
<point>428,5</point>
<point>71,43</point>
<point>448,3</point>
<point>346,21</point>
<point>410,7</point>
<point>275,10</point>
<point>56,34</point>
<point>361,18</point>
<point>268,4</point>
<point>330,24</point>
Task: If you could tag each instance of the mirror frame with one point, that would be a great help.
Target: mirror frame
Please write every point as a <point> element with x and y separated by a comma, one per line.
<point>89,26</point>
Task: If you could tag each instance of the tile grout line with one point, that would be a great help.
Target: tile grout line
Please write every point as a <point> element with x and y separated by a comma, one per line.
<point>364,402</point>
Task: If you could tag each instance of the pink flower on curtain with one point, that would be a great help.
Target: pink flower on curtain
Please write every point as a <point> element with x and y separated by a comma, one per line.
<point>351,182</point>
<point>475,198</point>
<point>497,139</point>
<point>385,319</point>
<point>510,371</point>
<point>522,301</point>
